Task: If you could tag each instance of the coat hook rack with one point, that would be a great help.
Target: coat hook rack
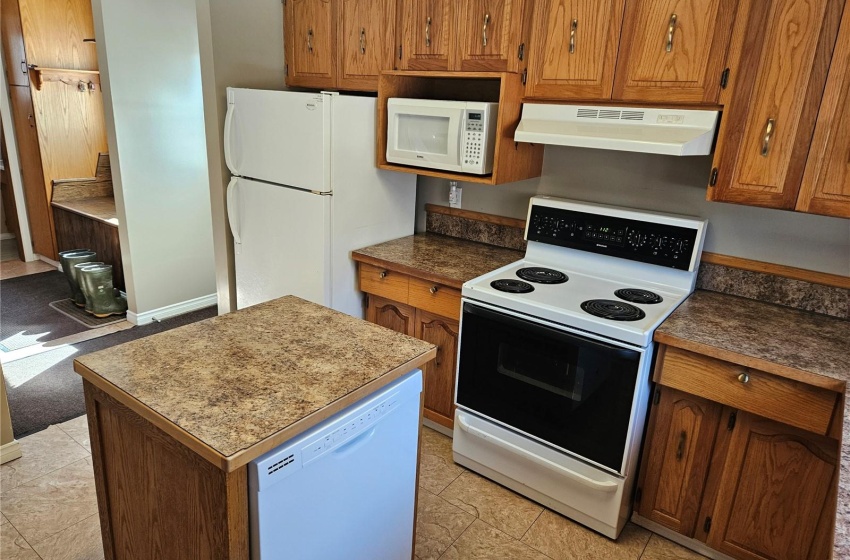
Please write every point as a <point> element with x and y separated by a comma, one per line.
<point>85,80</point>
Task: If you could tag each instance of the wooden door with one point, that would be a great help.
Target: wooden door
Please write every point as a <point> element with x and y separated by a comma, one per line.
<point>426,30</point>
<point>776,497</point>
<point>55,34</point>
<point>826,181</point>
<point>573,48</point>
<point>673,51</point>
<point>391,314</point>
<point>439,374</point>
<point>678,448</point>
<point>310,43</point>
<point>14,54</point>
<point>489,35</point>
<point>779,57</point>
<point>366,42</point>
<point>37,203</point>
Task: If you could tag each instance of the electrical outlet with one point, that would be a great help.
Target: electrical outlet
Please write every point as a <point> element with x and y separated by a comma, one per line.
<point>455,194</point>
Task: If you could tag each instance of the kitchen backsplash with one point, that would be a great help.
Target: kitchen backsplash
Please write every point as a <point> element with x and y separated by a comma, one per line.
<point>770,288</point>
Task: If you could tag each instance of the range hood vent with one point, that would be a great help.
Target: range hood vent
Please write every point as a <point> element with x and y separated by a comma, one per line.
<point>675,132</point>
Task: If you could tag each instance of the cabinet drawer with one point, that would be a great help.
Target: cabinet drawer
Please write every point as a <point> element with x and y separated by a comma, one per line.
<point>764,394</point>
<point>436,298</point>
<point>382,282</point>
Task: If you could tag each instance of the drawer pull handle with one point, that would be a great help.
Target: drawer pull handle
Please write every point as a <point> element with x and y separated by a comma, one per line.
<point>484,31</point>
<point>671,29</point>
<point>573,27</point>
<point>680,449</point>
<point>428,31</point>
<point>310,40</point>
<point>362,40</point>
<point>768,133</point>
<point>744,377</point>
<point>434,289</point>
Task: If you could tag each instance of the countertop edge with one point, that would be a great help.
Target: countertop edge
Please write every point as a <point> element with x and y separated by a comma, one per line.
<point>810,378</point>
<point>396,267</point>
<point>230,463</point>
<point>63,205</point>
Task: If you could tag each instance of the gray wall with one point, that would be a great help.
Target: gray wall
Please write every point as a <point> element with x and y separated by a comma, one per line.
<point>149,60</point>
<point>666,184</point>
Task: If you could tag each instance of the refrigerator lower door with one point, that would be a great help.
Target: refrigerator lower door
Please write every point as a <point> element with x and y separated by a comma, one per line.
<point>281,242</point>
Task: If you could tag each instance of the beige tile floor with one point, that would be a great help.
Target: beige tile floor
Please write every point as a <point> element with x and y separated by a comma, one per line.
<point>15,268</point>
<point>49,511</point>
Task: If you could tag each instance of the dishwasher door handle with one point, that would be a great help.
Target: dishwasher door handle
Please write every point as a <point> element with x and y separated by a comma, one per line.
<point>597,485</point>
<point>354,443</point>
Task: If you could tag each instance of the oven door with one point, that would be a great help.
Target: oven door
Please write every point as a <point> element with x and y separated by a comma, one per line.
<point>567,390</point>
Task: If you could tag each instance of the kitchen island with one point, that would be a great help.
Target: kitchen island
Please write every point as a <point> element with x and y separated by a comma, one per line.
<point>176,417</point>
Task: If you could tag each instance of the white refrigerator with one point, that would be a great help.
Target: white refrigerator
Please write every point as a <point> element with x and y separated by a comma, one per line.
<point>305,192</point>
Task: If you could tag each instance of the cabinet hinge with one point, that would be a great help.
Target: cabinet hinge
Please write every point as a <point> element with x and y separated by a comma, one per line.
<point>713,179</point>
<point>399,52</point>
<point>524,76</point>
<point>733,417</point>
<point>706,527</point>
<point>638,495</point>
<point>286,69</point>
<point>521,51</point>
<point>724,79</point>
<point>657,398</point>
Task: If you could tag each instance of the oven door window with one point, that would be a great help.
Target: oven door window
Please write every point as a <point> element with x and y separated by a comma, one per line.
<point>572,392</point>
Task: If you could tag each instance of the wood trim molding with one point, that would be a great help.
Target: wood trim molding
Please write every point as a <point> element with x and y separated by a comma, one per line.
<point>42,75</point>
<point>478,216</point>
<point>794,273</point>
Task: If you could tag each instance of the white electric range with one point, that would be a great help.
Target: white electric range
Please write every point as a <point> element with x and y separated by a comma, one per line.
<point>556,350</point>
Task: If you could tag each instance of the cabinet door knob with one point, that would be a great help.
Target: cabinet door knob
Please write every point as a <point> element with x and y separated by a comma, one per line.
<point>383,274</point>
<point>671,29</point>
<point>744,377</point>
<point>428,31</point>
<point>573,27</point>
<point>768,132</point>
<point>434,289</point>
<point>484,31</point>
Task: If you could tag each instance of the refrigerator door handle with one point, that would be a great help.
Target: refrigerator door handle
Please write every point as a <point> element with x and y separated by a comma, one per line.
<point>228,138</point>
<point>231,211</point>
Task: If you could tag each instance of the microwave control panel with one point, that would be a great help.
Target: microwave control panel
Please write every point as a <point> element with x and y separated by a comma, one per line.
<point>473,146</point>
<point>653,243</point>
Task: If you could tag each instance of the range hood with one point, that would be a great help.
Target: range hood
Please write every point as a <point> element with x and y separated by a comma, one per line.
<point>675,132</point>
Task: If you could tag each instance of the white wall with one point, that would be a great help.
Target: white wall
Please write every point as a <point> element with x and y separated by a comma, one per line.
<point>150,64</point>
<point>667,184</point>
<point>241,46</point>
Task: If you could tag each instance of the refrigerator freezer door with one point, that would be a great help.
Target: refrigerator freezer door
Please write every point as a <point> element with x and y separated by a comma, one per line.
<point>279,137</point>
<point>285,243</point>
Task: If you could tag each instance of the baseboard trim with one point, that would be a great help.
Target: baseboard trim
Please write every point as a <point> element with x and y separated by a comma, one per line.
<point>7,235</point>
<point>10,451</point>
<point>147,317</point>
<point>678,538</point>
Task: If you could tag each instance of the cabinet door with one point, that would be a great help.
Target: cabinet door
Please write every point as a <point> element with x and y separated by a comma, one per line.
<point>440,373</point>
<point>776,495</point>
<point>574,48</point>
<point>426,30</point>
<point>679,442</point>
<point>13,44</point>
<point>391,314</point>
<point>779,58</point>
<point>54,33</point>
<point>489,35</point>
<point>310,43</point>
<point>826,182</point>
<point>673,51</point>
<point>366,42</point>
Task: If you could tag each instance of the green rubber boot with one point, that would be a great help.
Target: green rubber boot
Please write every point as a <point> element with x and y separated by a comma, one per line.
<point>104,301</point>
<point>68,259</point>
<point>78,268</point>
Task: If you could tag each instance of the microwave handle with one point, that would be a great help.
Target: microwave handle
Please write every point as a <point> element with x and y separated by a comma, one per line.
<point>549,332</point>
<point>599,486</point>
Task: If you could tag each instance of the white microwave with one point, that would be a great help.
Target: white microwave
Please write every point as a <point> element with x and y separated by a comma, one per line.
<point>449,135</point>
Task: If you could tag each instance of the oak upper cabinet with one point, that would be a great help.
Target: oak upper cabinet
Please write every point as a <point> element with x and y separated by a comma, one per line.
<point>573,48</point>
<point>776,497</point>
<point>779,58</point>
<point>14,54</point>
<point>391,314</point>
<point>673,51</point>
<point>672,481</point>
<point>366,37</point>
<point>310,43</point>
<point>440,373</point>
<point>489,36</point>
<point>826,181</point>
<point>426,30</point>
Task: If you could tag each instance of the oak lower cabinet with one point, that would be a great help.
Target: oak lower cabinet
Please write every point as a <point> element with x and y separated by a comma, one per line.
<point>426,310</point>
<point>745,484</point>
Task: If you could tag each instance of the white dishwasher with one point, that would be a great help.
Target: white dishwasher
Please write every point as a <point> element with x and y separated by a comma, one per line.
<point>346,488</point>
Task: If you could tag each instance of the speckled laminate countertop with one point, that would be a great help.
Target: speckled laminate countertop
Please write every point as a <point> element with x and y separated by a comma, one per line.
<point>235,386</point>
<point>439,258</point>
<point>806,346</point>
<point>100,208</point>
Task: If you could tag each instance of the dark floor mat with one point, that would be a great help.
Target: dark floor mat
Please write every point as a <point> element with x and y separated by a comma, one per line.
<point>25,314</point>
<point>44,389</point>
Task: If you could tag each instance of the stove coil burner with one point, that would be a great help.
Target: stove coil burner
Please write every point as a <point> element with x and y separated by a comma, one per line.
<point>636,295</point>
<point>512,286</point>
<point>614,310</point>
<point>542,275</point>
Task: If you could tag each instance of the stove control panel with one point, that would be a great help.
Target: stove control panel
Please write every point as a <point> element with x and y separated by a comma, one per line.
<point>648,242</point>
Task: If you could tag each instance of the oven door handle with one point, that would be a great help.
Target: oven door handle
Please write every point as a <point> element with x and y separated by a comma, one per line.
<point>577,477</point>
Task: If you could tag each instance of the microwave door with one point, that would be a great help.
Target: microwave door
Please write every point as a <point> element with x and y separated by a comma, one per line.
<point>425,136</point>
